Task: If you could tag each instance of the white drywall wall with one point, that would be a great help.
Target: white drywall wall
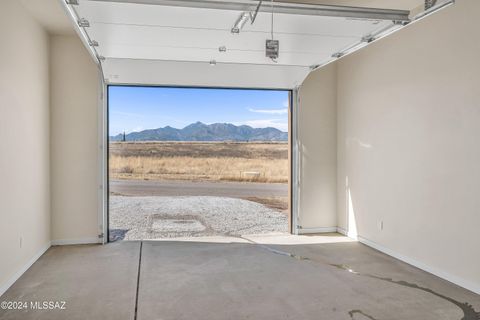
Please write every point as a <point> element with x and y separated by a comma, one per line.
<point>74,142</point>
<point>317,143</point>
<point>24,141</point>
<point>408,143</point>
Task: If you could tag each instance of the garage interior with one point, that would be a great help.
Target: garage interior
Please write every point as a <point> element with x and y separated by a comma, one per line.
<point>384,159</point>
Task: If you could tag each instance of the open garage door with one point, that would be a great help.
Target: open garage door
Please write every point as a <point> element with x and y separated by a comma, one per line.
<point>197,162</point>
<point>231,44</point>
<point>223,43</point>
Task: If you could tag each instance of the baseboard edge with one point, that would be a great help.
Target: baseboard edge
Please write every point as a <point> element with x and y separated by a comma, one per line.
<point>66,242</point>
<point>5,286</point>
<point>317,230</point>
<point>474,287</point>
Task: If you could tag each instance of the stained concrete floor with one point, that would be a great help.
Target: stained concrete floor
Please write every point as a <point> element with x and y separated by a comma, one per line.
<point>252,277</point>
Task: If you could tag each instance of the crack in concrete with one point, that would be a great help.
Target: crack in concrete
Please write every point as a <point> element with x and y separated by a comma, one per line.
<point>353,312</point>
<point>469,313</point>
<point>273,250</point>
<point>468,310</point>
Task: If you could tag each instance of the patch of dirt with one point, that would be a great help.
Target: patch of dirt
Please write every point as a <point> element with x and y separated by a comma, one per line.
<point>276,203</point>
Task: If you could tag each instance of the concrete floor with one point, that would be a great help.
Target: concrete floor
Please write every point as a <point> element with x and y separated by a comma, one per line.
<point>257,277</point>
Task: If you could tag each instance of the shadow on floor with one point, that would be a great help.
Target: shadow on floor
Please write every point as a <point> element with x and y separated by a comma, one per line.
<point>117,234</point>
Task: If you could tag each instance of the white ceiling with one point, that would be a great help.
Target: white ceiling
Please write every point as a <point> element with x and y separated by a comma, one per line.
<point>50,14</point>
<point>158,44</point>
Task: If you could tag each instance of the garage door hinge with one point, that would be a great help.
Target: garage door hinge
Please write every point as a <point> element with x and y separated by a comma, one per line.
<point>100,236</point>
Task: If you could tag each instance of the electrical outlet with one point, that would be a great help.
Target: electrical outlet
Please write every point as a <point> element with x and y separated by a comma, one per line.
<point>380,225</point>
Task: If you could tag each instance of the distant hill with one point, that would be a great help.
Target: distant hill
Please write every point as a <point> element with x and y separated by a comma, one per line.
<point>202,132</point>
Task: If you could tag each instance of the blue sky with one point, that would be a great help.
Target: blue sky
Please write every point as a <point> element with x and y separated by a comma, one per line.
<point>140,108</point>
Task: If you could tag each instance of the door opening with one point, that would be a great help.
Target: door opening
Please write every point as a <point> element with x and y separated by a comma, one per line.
<point>190,162</point>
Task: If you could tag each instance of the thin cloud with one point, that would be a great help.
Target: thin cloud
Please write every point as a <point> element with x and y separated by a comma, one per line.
<point>136,129</point>
<point>128,114</point>
<point>269,111</point>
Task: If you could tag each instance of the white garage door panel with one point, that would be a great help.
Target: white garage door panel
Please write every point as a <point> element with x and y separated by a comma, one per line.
<point>126,13</point>
<point>156,15</point>
<point>202,55</point>
<point>138,35</point>
<point>145,43</point>
<point>170,45</point>
<point>200,74</point>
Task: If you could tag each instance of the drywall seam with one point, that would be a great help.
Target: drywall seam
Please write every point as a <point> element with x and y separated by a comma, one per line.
<point>474,287</point>
<point>23,269</point>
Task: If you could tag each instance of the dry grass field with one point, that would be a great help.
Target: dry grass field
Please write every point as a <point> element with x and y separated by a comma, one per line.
<point>215,161</point>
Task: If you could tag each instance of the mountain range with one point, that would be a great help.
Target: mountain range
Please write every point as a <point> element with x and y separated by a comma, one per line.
<point>206,132</point>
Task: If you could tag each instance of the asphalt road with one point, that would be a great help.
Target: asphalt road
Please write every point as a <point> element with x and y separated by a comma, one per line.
<point>203,188</point>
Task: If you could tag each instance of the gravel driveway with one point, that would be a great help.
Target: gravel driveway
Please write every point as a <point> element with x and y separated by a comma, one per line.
<point>137,218</point>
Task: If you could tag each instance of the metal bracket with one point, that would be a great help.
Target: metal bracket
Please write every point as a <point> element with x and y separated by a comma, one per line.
<point>83,23</point>
<point>430,3</point>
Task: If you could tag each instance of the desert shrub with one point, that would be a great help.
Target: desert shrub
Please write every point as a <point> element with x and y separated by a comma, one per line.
<point>125,169</point>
